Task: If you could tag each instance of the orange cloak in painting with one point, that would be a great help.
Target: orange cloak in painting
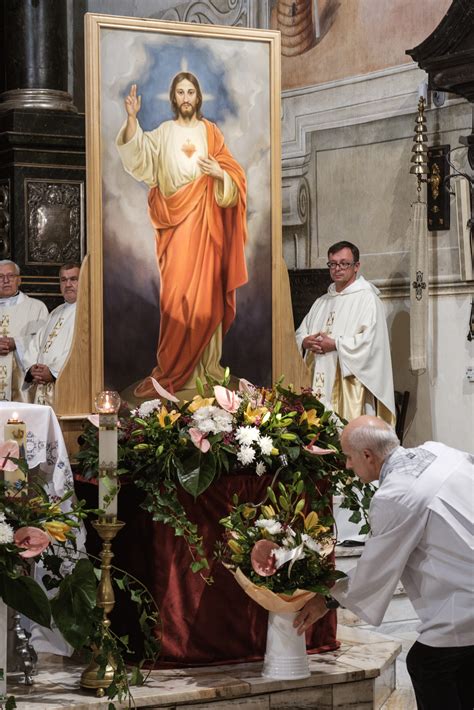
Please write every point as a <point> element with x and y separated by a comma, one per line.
<point>201,260</point>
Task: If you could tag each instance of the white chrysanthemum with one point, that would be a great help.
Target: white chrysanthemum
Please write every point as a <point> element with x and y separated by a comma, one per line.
<point>246,455</point>
<point>271,525</point>
<point>260,468</point>
<point>212,420</point>
<point>223,420</point>
<point>246,435</point>
<point>146,408</point>
<point>2,517</point>
<point>6,532</point>
<point>266,445</point>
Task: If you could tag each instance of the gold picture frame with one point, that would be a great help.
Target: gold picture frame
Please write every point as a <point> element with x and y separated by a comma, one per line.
<point>121,51</point>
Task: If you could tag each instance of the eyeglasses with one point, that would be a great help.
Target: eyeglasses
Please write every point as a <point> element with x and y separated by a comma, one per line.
<point>341,264</point>
<point>8,277</point>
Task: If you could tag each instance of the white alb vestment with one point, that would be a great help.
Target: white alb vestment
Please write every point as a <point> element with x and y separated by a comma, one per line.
<point>20,317</point>
<point>355,319</point>
<point>167,158</point>
<point>422,533</point>
<point>50,346</point>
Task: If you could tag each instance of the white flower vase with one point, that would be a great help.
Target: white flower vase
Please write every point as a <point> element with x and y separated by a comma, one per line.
<point>285,654</point>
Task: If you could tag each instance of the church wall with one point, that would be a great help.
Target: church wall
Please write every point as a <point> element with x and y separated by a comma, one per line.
<point>346,149</point>
<point>364,35</point>
<point>348,109</point>
<point>440,406</point>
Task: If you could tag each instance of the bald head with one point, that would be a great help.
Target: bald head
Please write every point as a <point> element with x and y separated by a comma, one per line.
<point>366,443</point>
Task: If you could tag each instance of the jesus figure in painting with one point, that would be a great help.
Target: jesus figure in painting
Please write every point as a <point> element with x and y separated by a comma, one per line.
<point>197,206</point>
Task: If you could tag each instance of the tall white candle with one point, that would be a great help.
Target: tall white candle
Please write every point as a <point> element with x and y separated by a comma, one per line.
<point>107,404</point>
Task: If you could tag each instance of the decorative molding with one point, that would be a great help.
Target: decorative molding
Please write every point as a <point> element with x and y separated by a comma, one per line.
<point>402,290</point>
<point>345,102</point>
<point>229,12</point>
<point>54,219</point>
<point>5,219</point>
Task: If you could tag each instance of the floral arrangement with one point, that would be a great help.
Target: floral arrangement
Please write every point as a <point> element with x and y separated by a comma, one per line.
<point>279,544</point>
<point>33,529</point>
<point>166,446</point>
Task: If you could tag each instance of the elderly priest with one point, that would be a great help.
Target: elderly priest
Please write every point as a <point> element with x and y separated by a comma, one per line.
<point>422,521</point>
<point>345,342</point>
<point>45,356</point>
<point>20,317</point>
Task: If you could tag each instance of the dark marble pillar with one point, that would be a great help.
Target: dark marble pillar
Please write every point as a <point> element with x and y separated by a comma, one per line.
<point>35,55</point>
<point>42,146</point>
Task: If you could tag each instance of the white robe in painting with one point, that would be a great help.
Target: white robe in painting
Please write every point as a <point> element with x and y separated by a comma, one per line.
<point>50,346</point>
<point>20,317</point>
<point>355,319</point>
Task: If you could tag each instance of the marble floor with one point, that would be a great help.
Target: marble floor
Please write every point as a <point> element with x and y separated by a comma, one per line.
<point>360,675</point>
<point>403,632</point>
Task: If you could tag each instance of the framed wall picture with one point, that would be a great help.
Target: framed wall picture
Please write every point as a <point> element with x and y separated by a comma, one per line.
<point>174,277</point>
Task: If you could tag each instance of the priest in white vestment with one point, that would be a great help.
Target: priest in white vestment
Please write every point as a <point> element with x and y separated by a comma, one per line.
<point>45,355</point>
<point>344,340</point>
<point>20,317</point>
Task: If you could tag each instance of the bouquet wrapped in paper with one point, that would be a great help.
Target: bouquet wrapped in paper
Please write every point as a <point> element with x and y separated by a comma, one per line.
<point>280,555</point>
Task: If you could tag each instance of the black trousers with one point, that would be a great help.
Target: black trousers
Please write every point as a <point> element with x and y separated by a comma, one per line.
<point>443,678</point>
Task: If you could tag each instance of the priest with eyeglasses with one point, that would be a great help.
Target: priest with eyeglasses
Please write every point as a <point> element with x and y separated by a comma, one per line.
<point>344,340</point>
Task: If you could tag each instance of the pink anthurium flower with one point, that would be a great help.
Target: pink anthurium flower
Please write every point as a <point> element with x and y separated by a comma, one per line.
<point>162,392</point>
<point>199,439</point>
<point>263,559</point>
<point>7,450</point>
<point>227,399</point>
<point>317,450</point>
<point>33,540</point>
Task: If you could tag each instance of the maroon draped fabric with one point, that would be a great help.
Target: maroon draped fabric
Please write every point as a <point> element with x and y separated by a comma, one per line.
<point>201,624</point>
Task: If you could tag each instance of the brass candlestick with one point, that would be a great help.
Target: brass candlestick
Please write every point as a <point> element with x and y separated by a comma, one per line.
<point>107,528</point>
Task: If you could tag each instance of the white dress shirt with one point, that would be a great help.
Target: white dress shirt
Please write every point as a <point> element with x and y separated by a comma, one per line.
<point>422,533</point>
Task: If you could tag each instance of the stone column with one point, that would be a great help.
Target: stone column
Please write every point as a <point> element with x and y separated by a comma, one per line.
<point>35,55</point>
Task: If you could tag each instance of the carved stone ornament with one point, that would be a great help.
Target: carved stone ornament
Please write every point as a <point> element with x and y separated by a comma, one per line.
<point>54,219</point>
<point>419,285</point>
<point>213,12</point>
<point>5,217</point>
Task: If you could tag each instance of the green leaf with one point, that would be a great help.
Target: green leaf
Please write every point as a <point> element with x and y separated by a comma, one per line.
<point>73,605</point>
<point>136,678</point>
<point>27,597</point>
<point>200,471</point>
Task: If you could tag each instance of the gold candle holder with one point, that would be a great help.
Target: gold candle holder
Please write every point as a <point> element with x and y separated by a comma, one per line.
<point>107,528</point>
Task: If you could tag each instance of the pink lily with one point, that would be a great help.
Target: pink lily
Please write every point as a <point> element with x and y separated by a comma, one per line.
<point>32,539</point>
<point>199,439</point>
<point>7,450</point>
<point>162,392</point>
<point>252,391</point>
<point>227,399</point>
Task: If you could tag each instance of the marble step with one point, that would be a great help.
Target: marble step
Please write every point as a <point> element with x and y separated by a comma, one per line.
<point>359,675</point>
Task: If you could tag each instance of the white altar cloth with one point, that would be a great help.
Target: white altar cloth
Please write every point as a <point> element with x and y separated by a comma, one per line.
<point>45,448</point>
<point>45,445</point>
